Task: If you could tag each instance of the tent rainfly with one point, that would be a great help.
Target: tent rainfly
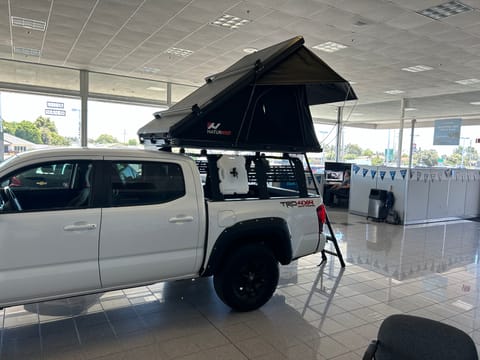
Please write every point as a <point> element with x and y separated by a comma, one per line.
<point>260,103</point>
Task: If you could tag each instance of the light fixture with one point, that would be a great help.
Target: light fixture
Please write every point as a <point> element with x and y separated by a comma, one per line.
<point>229,21</point>
<point>28,23</point>
<point>444,10</point>
<point>330,46</point>
<point>150,70</point>
<point>417,68</point>
<point>468,81</point>
<point>475,103</point>
<point>179,52</point>
<point>156,88</point>
<point>410,109</point>
<point>394,92</point>
<point>26,51</point>
<point>250,50</point>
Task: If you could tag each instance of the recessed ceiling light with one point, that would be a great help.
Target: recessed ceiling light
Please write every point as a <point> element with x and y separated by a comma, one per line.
<point>26,51</point>
<point>352,82</point>
<point>250,50</point>
<point>442,11</point>
<point>229,21</point>
<point>357,114</point>
<point>394,92</point>
<point>28,23</point>
<point>410,109</point>
<point>150,70</point>
<point>330,46</point>
<point>179,52</point>
<point>468,81</point>
<point>475,103</point>
<point>156,88</point>
<point>418,68</point>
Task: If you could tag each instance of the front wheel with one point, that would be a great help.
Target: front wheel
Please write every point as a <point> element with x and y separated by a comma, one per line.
<point>248,278</point>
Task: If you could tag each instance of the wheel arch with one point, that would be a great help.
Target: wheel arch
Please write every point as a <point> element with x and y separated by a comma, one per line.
<point>272,232</point>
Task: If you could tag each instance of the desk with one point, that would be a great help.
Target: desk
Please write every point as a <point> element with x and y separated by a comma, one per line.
<point>330,194</point>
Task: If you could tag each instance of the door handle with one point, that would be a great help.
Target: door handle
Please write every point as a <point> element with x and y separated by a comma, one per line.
<point>180,219</point>
<point>80,227</point>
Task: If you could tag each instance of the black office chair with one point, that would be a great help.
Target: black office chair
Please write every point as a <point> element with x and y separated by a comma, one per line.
<point>407,337</point>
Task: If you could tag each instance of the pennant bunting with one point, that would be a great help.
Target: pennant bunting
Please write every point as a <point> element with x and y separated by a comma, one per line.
<point>373,173</point>
<point>403,173</point>
<point>356,168</point>
<point>392,174</point>
<point>382,174</point>
<point>364,172</point>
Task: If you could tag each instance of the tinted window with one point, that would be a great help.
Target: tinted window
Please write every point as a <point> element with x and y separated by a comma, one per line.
<point>48,186</point>
<point>143,183</point>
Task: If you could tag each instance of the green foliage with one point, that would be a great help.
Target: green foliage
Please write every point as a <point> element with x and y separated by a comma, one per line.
<point>377,160</point>
<point>28,131</point>
<point>426,158</point>
<point>42,131</point>
<point>132,142</point>
<point>349,157</point>
<point>353,149</point>
<point>106,139</point>
<point>368,153</point>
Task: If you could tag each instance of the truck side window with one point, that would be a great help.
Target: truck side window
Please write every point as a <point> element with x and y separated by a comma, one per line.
<point>48,186</point>
<point>145,183</point>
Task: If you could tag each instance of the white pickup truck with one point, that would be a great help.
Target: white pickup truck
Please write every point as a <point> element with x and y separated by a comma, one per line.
<point>77,221</point>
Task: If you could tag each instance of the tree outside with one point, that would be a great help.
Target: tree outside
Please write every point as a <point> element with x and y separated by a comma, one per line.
<point>41,131</point>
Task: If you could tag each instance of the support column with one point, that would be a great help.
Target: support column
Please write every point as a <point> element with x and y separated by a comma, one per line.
<point>2,142</point>
<point>400,132</point>
<point>339,146</point>
<point>84,107</point>
<point>410,157</point>
<point>169,94</point>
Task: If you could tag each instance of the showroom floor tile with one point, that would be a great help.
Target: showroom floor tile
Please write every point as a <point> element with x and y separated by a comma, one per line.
<point>317,312</point>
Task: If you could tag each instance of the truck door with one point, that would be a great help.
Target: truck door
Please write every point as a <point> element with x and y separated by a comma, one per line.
<point>49,228</point>
<point>150,226</point>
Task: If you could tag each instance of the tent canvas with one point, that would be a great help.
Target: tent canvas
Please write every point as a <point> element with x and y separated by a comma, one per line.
<point>259,103</point>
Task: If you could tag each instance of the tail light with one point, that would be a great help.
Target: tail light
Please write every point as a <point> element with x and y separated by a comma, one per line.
<point>322,216</point>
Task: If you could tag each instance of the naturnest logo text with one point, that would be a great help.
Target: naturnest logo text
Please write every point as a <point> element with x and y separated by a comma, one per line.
<point>214,129</point>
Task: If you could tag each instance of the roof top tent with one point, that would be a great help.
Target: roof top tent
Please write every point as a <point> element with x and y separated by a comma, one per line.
<point>260,103</point>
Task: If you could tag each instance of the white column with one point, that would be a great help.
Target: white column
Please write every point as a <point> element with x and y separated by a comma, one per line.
<point>84,107</point>
<point>339,146</point>
<point>400,133</point>
<point>412,135</point>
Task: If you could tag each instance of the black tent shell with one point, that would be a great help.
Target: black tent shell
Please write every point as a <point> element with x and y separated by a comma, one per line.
<point>260,103</point>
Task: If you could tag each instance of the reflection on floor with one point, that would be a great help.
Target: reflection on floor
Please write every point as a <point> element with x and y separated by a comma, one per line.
<point>317,312</point>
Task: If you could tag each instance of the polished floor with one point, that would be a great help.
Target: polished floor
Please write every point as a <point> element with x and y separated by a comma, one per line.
<point>317,312</point>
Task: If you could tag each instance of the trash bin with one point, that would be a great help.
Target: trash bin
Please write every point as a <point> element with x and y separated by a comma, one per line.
<point>376,204</point>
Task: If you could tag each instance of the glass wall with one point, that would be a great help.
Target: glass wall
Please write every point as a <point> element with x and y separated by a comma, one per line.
<point>113,124</point>
<point>35,121</point>
<point>380,147</point>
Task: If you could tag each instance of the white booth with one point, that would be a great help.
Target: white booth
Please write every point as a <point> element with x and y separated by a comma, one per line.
<point>421,194</point>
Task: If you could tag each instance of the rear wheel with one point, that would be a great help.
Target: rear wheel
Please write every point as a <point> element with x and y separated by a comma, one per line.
<point>248,278</point>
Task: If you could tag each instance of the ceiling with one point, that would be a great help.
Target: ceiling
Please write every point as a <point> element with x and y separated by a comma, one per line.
<point>136,37</point>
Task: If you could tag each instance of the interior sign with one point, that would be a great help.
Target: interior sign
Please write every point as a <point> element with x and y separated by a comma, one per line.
<point>55,105</point>
<point>447,132</point>
<point>55,112</point>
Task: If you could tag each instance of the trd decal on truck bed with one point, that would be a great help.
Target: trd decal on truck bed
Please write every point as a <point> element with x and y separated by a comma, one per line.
<point>299,203</point>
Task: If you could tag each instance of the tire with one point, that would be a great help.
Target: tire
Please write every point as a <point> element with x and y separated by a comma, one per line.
<point>248,278</point>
